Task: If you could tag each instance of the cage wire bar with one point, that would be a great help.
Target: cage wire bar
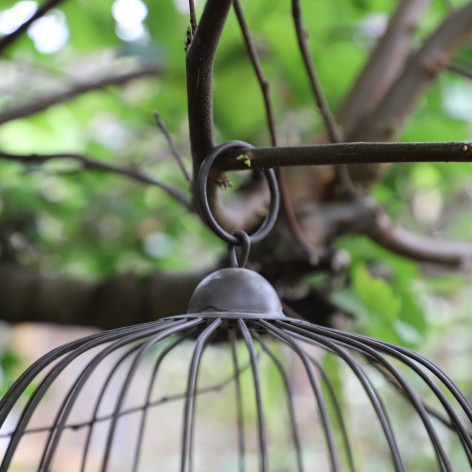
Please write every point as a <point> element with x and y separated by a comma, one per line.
<point>256,339</point>
<point>234,385</point>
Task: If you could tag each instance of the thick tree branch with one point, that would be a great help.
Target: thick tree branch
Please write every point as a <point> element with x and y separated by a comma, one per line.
<point>453,254</point>
<point>383,66</point>
<point>118,301</point>
<point>420,70</point>
<point>89,163</point>
<point>42,103</point>
<point>200,64</point>
<point>417,75</point>
<point>343,153</point>
<point>8,39</point>
<point>200,61</point>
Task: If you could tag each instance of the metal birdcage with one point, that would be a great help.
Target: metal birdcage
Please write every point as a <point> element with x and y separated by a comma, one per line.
<point>235,385</point>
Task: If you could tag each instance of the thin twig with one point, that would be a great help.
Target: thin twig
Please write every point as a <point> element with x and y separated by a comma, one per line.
<point>8,39</point>
<point>460,70</point>
<point>89,163</point>
<point>344,176</point>
<point>173,148</point>
<point>42,103</point>
<point>51,72</point>
<point>256,63</point>
<point>265,88</point>
<point>193,16</point>
<point>334,130</point>
<point>314,254</point>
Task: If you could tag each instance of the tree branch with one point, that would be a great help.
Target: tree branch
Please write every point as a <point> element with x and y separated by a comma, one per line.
<point>420,70</point>
<point>45,102</point>
<point>8,39</point>
<point>200,61</point>
<point>264,85</point>
<point>460,71</point>
<point>334,132</point>
<point>110,303</point>
<point>193,16</point>
<point>200,64</point>
<point>89,163</point>
<point>453,254</point>
<point>343,153</point>
<point>382,68</point>
<point>365,217</point>
<point>173,148</point>
<point>372,154</point>
<point>256,64</point>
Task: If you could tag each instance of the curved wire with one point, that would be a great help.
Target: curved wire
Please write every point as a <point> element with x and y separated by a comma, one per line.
<point>271,216</point>
<point>189,409</point>
<point>410,358</point>
<point>239,403</point>
<point>75,349</point>
<point>152,380</point>
<point>374,398</point>
<point>334,400</point>
<point>257,387</point>
<point>99,401</point>
<point>63,414</point>
<point>443,460</point>
<point>25,379</point>
<point>131,372</point>
<point>291,409</point>
<point>338,410</point>
<point>289,332</point>
<point>327,430</point>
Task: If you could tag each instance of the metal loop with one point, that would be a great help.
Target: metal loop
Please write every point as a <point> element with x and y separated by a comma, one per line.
<point>273,210</point>
<point>244,244</point>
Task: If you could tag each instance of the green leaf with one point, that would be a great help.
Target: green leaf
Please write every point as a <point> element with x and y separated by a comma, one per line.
<point>376,294</point>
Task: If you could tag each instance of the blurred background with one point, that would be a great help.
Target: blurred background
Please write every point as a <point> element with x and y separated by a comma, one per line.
<point>62,91</point>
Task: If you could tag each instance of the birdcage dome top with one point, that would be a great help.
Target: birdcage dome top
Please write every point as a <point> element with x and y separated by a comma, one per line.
<point>235,291</point>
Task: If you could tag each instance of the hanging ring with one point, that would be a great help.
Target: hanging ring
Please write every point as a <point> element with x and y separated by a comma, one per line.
<point>268,222</point>
<point>245,245</point>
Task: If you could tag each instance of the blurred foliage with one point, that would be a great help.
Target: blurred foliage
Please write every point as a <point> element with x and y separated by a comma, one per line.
<point>78,222</point>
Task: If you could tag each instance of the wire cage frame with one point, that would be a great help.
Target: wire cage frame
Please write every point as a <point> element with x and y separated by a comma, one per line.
<point>230,366</point>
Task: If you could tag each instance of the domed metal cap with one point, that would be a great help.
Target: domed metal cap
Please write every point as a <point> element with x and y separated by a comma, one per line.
<point>237,291</point>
